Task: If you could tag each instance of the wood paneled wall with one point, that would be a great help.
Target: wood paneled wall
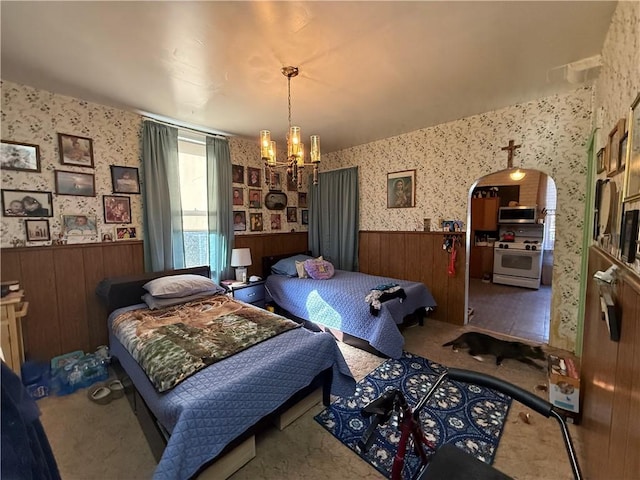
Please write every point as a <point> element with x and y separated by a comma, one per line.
<point>610,377</point>
<point>266,244</point>
<point>59,283</point>
<point>418,256</point>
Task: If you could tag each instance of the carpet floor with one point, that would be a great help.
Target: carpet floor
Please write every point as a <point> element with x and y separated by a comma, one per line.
<point>93,441</point>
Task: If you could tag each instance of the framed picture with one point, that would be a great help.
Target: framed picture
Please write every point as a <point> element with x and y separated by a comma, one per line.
<point>107,234</point>
<point>117,209</point>
<point>302,199</point>
<point>613,147</point>
<point>291,185</point>
<point>23,157</point>
<point>37,230</point>
<point>600,166</point>
<point>126,233</point>
<point>253,177</point>
<point>239,221</point>
<point>632,175</point>
<point>26,203</point>
<point>401,189</point>
<point>75,183</point>
<point>629,235</point>
<point>75,150</point>
<point>305,217</point>
<point>276,221</point>
<point>255,220</point>
<point>125,179</point>
<point>292,214</point>
<point>238,196</point>
<point>622,152</point>
<point>237,173</point>
<point>275,185</point>
<point>254,198</point>
<point>79,225</point>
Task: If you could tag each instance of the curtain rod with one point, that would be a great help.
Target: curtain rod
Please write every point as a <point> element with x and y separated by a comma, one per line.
<point>182,127</point>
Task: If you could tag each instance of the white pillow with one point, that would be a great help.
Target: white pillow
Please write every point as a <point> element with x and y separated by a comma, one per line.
<point>176,286</point>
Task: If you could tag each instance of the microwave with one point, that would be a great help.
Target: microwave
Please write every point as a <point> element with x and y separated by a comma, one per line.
<point>517,214</point>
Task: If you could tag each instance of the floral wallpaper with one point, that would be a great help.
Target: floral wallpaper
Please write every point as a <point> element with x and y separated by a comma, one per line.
<point>36,117</point>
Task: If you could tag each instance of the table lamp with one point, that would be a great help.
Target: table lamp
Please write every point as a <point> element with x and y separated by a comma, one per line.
<point>241,258</point>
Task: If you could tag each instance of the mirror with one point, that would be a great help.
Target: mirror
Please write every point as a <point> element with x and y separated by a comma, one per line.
<point>275,201</point>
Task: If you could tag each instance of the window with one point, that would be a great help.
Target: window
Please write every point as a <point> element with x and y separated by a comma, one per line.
<point>550,219</point>
<point>192,158</point>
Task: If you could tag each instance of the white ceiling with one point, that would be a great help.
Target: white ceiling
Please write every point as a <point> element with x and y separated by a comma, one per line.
<point>368,70</point>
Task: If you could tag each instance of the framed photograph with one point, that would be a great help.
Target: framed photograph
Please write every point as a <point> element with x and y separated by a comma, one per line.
<point>255,220</point>
<point>237,173</point>
<point>629,235</point>
<point>613,147</point>
<point>22,157</point>
<point>600,166</point>
<point>401,189</point>
<point>291,185</point>
<point>26,203</point>
<point>126,233</point>
<point>238,196</point>
<point>75,183</point>
<point>239,221</point>
<point>107,234</point>
<point>117,209</point>
<point>37,230</point>
<point>75,150</point>
<point>632,174</point>
<point>79,225</point>
<point>276,221</point>
<point>622,152</point>
<point>302,199</point>
<point>275,184</point>
<point>253,177</point>
<point>305,217</point>
<point>292,214</point>
<point>125,179</point>
<point>254,198</point>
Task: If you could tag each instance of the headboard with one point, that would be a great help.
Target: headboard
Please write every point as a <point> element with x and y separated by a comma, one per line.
<point>117,292</point>
<point>270,261</point>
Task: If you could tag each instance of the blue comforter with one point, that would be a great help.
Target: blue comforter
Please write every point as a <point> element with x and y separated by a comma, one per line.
<point>210,409</point>
<point>339,303</point>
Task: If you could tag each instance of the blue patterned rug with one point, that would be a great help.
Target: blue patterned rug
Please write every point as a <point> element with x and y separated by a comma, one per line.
<point>468,416</point>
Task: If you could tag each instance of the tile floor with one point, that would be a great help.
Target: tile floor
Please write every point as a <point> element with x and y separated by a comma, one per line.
<point>515,311</point>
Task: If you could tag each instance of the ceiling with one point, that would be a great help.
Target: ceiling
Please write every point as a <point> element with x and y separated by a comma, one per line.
<point>368,70</point>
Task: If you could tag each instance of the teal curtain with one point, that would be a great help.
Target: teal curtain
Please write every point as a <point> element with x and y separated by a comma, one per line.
<point>162,212</point>
<point>333,218</point>
<point>220,207</point>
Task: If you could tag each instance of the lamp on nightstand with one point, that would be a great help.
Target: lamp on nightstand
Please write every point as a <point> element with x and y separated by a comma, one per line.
<point>241,259</point>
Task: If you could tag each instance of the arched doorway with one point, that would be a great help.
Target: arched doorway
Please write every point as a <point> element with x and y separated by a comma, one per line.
<point>510,261</point>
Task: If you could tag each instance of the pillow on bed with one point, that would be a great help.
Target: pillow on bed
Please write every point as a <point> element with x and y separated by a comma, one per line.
<point>176,286</point>
<point>302,273</point>
<point>319,269</point>
<point>154,303</point>
<point>287,266</point>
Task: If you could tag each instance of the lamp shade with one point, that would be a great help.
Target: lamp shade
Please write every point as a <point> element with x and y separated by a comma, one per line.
<point>240,257</point>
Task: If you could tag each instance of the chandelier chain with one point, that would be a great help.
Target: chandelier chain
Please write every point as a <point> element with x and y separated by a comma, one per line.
<point>289,98</point>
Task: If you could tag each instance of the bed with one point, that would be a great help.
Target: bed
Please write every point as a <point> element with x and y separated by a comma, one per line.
<point>338,305</point>
<point>194,423</point>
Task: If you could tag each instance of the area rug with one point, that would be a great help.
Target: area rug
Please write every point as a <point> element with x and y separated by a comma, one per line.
<point>468,416</point>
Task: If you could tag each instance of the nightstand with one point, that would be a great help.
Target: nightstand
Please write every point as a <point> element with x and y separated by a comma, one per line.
<point>252,292</point>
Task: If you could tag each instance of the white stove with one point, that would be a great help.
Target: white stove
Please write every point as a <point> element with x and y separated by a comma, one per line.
<point>518,259</point>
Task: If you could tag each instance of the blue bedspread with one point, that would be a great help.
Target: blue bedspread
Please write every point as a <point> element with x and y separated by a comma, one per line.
<point>210,409</point>
<point>339,303</point>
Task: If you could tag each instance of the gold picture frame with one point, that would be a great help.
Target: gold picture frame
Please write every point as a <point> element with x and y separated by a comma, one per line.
<point>401,189</point>
<point>613,147</point>
<point>632,173</point>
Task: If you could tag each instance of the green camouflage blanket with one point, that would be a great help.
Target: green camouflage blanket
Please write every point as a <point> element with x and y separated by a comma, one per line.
<point>173,343</point>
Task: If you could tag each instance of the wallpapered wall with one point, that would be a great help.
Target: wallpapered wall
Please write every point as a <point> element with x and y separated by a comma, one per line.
<point>36,116</point>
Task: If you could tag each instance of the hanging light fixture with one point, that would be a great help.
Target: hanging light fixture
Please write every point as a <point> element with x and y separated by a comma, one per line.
<point>517,175</point>
<point>295,162</point>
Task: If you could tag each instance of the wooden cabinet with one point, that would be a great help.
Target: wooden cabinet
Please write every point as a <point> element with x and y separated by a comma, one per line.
<point>65,314</point>
<point>14,309</point>
<point>480,261</point>
<point>484,213</point>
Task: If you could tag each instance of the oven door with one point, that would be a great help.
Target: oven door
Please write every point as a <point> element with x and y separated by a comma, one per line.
<point>524,266</point>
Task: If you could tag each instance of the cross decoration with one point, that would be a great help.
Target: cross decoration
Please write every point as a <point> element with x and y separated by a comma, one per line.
<point>511,148</point>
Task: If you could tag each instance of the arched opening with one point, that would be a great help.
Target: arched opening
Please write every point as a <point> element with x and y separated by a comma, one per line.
<point>510,246</point>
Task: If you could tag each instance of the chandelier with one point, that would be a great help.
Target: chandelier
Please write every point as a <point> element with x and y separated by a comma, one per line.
<point>295,162</point>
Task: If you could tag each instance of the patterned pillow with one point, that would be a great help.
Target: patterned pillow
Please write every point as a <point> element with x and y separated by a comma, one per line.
<point>319,269</point>
<point>302,273</point>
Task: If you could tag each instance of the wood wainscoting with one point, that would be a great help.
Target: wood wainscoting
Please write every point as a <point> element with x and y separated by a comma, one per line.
<point>610,377</point>
<point>267,244</point>
<point>59,283</point>
<point>419,256</point>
